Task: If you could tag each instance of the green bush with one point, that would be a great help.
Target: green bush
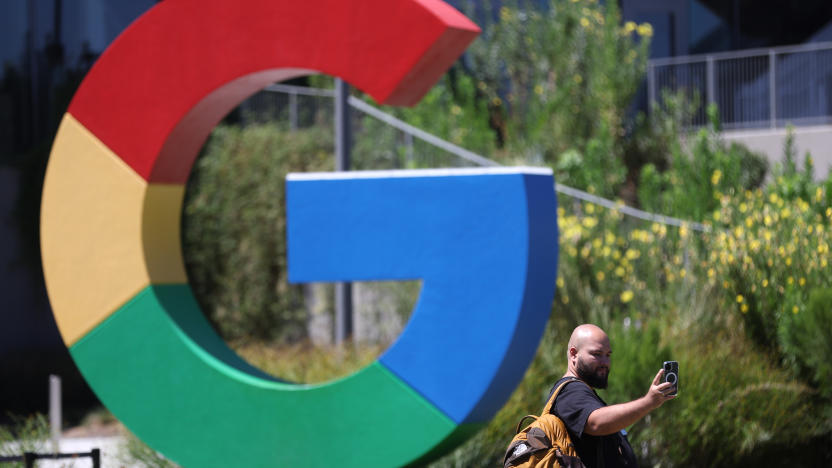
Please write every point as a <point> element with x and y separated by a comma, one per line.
<point>733,403</point>
<point>699,174</point>
<point>806,339</point>
<point>454,110</point>
<point>233,228</point>
<point>573,70</point>
<point>767,253</point>
<point>546,86</point>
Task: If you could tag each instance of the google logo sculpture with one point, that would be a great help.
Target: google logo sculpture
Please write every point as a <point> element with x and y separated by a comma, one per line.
<point>483,242</point>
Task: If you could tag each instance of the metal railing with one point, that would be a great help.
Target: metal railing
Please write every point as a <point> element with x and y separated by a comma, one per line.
<point>758,88</point>
<point>29,458</point>
<point>463,157</point>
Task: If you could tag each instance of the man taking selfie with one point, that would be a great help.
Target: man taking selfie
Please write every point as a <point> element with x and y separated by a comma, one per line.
<point>595,428</point>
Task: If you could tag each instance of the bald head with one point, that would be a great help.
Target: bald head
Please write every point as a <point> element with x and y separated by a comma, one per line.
<point>586,333</point>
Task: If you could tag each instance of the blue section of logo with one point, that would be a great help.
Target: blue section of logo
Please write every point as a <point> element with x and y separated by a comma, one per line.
<point>484,244</point>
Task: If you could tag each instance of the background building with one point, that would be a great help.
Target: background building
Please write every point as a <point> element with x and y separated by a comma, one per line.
<point>766,64</point>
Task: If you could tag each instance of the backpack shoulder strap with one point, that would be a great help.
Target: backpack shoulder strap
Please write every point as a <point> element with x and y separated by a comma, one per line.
<point>520,424</point>
<point>549,404</point>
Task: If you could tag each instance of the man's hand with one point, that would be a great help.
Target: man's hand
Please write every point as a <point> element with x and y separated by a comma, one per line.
<point>659,391</point>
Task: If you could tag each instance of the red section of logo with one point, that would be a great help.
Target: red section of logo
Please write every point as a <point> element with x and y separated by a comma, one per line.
<point>155,95</point>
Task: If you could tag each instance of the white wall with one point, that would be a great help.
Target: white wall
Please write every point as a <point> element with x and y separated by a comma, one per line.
<point>816,140</point>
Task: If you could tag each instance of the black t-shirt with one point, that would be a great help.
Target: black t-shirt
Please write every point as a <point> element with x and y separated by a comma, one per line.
<point>575,402</point>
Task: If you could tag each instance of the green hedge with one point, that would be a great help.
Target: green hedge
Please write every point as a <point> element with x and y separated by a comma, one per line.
<point>233,228</point>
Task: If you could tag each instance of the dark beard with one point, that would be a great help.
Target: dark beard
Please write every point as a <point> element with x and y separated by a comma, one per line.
<point>594,380</point>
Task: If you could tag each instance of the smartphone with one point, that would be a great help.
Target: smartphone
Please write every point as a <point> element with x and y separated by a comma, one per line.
<point>671,374</point>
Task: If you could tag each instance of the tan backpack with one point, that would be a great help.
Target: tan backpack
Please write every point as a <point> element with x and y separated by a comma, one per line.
<point>544,443</point>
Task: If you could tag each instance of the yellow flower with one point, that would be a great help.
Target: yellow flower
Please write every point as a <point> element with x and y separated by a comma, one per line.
<point>578,79</point>
<point>632,254</point>
<point>644,29</point>
<point>716,176</point>
<point>629,27</point>
<point>589,222</point>
<point>765,283</point>
<point>456,110</point>
<point>801,281</point>
<point>744,308</point>
<point>626,296</point>
<point>538,90</point>
<point>790,280</point>
<point>743,207</point>
<point>559,282</point>
<point>584,22</point>
<point>740,298</point>
<point>505,13</point>
<point>620,272</point>
<point>788,261</point>
<point>795,309</point>
<point>711,272</point>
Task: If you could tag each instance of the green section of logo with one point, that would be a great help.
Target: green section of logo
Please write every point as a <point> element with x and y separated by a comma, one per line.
<point>159,366</point>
